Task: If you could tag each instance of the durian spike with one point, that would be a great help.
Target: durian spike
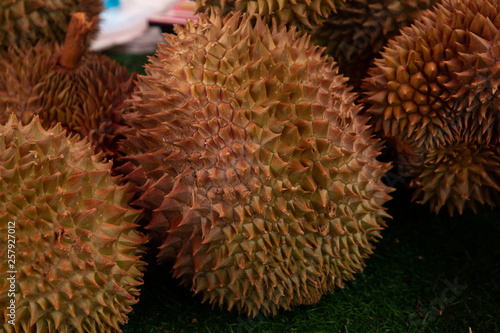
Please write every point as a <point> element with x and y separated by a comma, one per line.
<point>76,41</point>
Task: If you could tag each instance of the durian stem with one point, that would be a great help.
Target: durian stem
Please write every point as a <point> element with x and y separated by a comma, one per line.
<point>75,43</point>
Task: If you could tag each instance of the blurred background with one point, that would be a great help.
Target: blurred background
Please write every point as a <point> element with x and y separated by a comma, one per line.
<point>135,26</point>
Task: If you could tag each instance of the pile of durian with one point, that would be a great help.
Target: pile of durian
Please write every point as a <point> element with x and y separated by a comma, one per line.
<point>252,156</point>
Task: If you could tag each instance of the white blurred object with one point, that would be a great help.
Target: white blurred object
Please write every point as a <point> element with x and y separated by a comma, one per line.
<point>122,24</point>
<point>182,11</point>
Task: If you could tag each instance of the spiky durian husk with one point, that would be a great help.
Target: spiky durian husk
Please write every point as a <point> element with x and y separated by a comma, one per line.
<point>458,176</point>
<point>28,21</point>
<point>355,34</point>
<point>76,244</point>
<point>223,6</point>
<point>87,100</point>
<point>436,89</point>
<point>305,15</point>
<point>256,164</point>
<point>439,79</point>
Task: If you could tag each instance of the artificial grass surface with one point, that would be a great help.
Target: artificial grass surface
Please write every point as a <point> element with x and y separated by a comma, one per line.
<point>430,273</point>
<point>133,62</point>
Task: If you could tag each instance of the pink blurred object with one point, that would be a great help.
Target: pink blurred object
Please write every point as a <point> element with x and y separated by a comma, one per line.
<point>182,11</point>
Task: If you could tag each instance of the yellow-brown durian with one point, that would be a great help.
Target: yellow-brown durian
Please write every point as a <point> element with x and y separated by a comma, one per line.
<point>258,170</point>
<point>457,176</point>
<point>68,239</point>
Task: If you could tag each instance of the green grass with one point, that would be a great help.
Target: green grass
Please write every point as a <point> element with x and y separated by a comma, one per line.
<point>405,286</point>
<point>133,62</point>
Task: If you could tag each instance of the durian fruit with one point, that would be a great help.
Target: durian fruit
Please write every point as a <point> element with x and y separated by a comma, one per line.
<point>356,33</point>
<point>84,91</point>
<point>255,164</point>
<point>435,89</point>
<point>458,175</point>
<point>305,15</point>
<point>77,253</point>
<point>31,21</point>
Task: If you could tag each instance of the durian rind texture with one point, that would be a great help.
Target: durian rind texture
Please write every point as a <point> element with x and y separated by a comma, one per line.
<point>76,245</point>
<point>305,15</point>
<point>87,100</point>
<point>28,21</point>
<point>436,89</point>
<point>447,175</point>
<point>356,33</point>
<point>256,165</point>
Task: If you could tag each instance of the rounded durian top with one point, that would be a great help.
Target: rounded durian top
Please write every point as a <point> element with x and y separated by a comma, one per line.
<point>439,79</point>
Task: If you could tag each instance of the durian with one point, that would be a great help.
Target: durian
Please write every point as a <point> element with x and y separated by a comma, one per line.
<point>458,175</point>
<point>305,15</point>
<point>31,21</point>
<point>257,168</point>
<point>84,91</point>
<point>76,266</point>
<point>356,33</point>
<point>435,91</point>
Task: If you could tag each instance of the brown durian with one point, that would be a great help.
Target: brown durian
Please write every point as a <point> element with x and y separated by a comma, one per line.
<point>257,168</point>
<point>68,233</point>
<point>84,91</point>
<point>458,175</point>
<point>435,89</point>
<point>32,21</point>
<point>356,33</point>
<point>305,15</point>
